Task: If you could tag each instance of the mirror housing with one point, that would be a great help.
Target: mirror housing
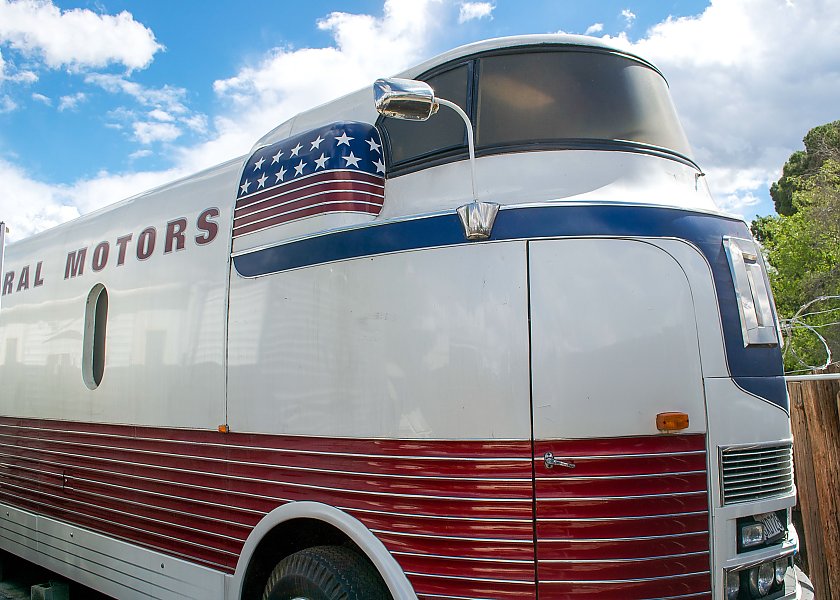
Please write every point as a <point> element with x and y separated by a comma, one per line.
<point>406,99</point>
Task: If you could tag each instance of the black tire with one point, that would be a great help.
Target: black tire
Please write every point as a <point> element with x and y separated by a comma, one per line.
<point>325,573</point>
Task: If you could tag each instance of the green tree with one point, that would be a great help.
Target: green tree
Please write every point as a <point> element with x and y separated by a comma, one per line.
<point>821,144</point>
<point>802,246</point>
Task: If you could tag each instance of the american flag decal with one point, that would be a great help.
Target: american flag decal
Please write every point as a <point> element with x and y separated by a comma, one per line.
<point>338,168</point>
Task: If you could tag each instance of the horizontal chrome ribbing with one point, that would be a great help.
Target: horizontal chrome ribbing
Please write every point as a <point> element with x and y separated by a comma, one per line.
<point>752,473</point>
<point>625,581</point>
<point>541,498</point>
<point>124,513</point>
<point>272,466</point>
<point>331,455</point>
<point>490,499</point>
<point>164,547</point>
<point>577,540</point>
<point>619,560</point>
<point>540,459</point>
<point>624,518</point>
<point>611,477</point>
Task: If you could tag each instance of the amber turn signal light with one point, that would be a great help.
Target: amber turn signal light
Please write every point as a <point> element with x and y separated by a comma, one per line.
<point>224,429</point>
<point>672,421</point>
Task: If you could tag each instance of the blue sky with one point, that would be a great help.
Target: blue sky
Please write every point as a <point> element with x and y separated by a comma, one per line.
<point>101,100</point>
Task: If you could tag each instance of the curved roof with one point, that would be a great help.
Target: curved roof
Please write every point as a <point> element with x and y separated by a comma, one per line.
<point>550,39</point>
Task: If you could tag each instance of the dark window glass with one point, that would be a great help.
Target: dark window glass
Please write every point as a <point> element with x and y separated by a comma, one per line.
<point>547,96</point>
<point>443,131</point>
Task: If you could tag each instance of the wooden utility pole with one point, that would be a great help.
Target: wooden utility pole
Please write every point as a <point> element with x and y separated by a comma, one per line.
<point>815,418</point>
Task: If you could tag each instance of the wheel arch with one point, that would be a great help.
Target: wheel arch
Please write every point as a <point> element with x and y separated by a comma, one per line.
<point>323,524</point>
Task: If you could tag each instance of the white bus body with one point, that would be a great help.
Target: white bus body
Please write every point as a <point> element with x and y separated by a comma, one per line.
<point>294,351</point>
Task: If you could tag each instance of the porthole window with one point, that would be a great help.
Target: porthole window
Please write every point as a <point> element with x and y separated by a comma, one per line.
<point>96,321</point>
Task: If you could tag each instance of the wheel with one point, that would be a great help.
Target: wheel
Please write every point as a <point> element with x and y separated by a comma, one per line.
<point>325,573</point>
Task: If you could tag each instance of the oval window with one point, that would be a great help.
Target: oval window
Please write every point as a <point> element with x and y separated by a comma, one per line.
<point>93,352</point>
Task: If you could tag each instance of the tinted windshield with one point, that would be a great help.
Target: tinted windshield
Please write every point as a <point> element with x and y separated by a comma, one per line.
<point>545,96</point>
<point>562,98</point>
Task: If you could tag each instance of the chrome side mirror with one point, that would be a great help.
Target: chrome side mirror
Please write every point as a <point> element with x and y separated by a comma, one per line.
<point>404,99</point>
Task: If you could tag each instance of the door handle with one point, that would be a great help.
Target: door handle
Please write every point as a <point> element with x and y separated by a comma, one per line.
<point>551,462</point>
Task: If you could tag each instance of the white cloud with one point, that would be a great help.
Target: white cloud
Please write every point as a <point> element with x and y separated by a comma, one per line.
<point>161,115</point>
<point>7,104</point>
<point>629,16</point>
<point>42,99</point>
<point>71,101</point>
<point>30,206</point>
<point>147,132</point>
<point>77,38</point>
<point>470,11</point>
<point>258,97</point>
<point>749,79</point>
<point>290,80</point>
<point>594,28</point>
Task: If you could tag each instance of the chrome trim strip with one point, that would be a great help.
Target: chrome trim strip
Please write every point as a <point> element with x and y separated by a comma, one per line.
<point>528,540</point>
<point>600,477</point>
<point>620,560</point>
<point>626,539</point>
<point>631,518</point>
<point>480,579</point>
<point>269,481</point>
<point>244,526</point>
<point>194,458</point>
<point>281,450</point>
<point>620,581</point>
<point>350,509</point>
<point>609,456</point>
<point>131,515</point>
<point>143,531</point>
<point>516,561</point>
<point>786,552</point>
<point>590,498</point>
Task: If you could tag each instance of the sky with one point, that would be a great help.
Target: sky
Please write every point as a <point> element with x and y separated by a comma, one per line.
<point>100,100</point>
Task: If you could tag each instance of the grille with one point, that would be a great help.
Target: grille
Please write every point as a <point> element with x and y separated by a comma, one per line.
<point>756,473</point>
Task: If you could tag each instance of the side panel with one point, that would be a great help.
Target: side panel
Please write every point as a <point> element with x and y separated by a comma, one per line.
<point>425,344</point>
<point>614,342</point>
<point>163,259</point>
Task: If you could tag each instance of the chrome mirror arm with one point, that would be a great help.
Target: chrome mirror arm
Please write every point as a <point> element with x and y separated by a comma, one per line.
<point>470,138</point>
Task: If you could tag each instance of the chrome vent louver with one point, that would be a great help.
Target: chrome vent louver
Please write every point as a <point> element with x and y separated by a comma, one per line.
<point>750,473</point>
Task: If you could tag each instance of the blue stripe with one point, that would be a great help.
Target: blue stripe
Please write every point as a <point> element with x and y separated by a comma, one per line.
<point>756,368</point>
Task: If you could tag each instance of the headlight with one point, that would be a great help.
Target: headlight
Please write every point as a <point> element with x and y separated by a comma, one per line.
<point>752,534</point>
<point>781,569</point>
<point>761,579</point>
<point>733,585</point>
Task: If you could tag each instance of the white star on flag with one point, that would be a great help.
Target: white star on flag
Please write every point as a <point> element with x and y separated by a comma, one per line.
<point>351,160</point>
<point>299,168</point>
<point>316,143</point>
<point>280,174</point>
<point>276,157</point>
<point>262,180</point>
<point>244,186</point>
<point>258,165</point>
<point>296,149</point>
<point>321,162</point>
<point>343,139</point>
<point>374,147</point>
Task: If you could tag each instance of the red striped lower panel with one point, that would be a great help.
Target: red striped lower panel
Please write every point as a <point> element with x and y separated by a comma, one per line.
<point>629,522</point>
<point>458,516</point>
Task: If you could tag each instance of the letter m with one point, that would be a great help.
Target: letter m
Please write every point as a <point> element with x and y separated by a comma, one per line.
<point>75,263</point>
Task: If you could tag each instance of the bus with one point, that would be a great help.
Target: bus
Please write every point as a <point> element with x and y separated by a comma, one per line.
<point>476,332</point>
